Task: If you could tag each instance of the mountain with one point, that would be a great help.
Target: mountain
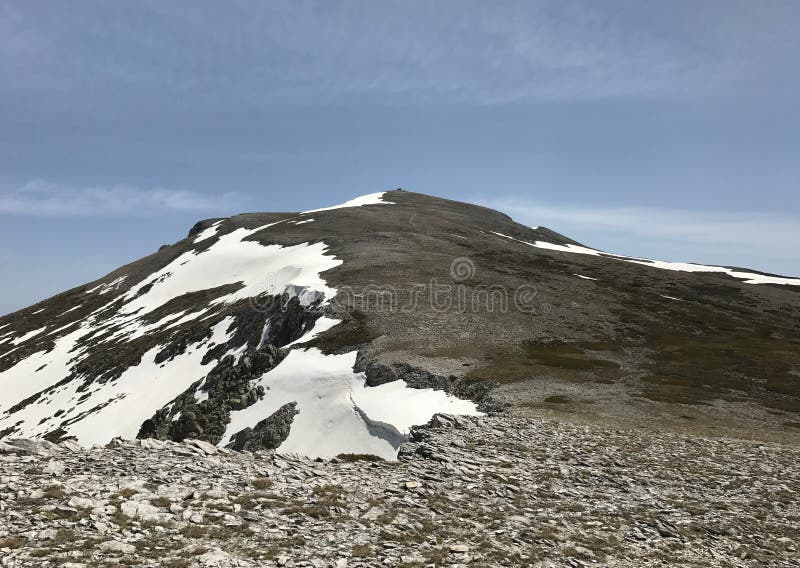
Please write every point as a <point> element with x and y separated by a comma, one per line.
<point>335,330</point>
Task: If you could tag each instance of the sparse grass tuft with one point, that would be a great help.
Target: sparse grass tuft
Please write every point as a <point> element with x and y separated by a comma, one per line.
<point>261,483</point>
<point>13,542</point>
<point>558,399</point>
<point>362,551</point>
<point>359,457</point>
<point>161,502</point>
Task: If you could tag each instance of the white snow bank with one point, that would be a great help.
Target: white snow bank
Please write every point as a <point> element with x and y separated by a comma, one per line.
<point>322,325</point>
<point>369,199</point>
<point>116,408</point>
<point>143,389</point>
<point>36,373</point>
<point>403,407</point>
<point>106,288</point>
<point>27,336</point>
<point>207,233</point>
<point>72,309</point>
<point>232,259</point>
<point>748,277</point>
<point>327,392</point>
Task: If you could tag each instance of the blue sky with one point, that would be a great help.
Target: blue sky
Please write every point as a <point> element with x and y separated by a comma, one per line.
<point>667,130</point>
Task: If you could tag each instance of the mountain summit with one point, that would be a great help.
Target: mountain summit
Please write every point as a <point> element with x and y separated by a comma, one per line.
<point>336,330</point>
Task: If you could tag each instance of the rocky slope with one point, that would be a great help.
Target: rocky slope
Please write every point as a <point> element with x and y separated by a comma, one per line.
<point>490,491</point>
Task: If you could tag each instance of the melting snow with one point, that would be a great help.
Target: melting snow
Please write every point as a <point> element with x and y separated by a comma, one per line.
<point>23,380</point>
<point>369,199</point>
<point>329,397</point>
<point>208,232</point>
<point>106,288</point>
<point>748,277</point>
<point>337,411</point>
<point>322,325</point>
<point>143,389</point>
<point>403,407</point>
<point>27,336</point>
<point>69,310</point>
<point>116,408</point>
<point>258,268</point>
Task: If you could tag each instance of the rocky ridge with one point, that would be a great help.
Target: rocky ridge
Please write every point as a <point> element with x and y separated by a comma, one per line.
<point>491,491</point>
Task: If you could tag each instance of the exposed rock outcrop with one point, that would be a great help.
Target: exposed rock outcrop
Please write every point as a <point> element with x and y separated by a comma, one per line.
<point>267,434</point>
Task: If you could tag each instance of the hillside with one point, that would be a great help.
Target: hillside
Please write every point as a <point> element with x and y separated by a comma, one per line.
<point>336,330</point>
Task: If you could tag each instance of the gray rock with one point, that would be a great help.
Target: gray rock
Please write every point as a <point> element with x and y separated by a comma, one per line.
<point>117,547</point>
<point>269,433</point>
<point>205,447</point>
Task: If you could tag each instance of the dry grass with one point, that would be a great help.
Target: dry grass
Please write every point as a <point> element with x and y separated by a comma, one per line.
<point>261,483</point>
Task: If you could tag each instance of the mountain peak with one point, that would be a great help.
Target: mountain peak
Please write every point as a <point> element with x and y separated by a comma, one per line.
<point>339,328</point>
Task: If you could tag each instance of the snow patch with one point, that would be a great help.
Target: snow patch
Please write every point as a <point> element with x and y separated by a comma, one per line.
<point>403,407</point>
<point>207,233</point>
<point>69,310</point>
<point>369,199</point>
<point>141,390</point>
<point>232,259</point>
<point>106,288</point>
<point>22,380</point>
<point>322,325</point>
<point>748,277</point>
<point>27,336</point>
<point>332,402</point>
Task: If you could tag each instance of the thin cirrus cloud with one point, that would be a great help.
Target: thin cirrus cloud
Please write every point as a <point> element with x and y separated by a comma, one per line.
<point>766,241</point>
<point>409,51</point>
<point>41,198</point>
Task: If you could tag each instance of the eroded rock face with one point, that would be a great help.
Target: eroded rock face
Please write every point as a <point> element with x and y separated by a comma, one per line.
<point>203,410</point>
<point>267,434</point>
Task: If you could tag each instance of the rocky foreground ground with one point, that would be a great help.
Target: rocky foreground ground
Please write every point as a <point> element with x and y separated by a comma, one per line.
<point>493,491</point>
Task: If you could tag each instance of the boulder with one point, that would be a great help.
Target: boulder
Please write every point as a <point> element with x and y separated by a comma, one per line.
<point>267,434</point>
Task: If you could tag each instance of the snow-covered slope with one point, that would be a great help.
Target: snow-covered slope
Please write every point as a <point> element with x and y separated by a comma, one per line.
<point>49,387</point>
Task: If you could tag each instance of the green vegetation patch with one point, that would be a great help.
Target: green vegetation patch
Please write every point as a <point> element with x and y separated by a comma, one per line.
<point>710,351</point>
<point>568,360</point>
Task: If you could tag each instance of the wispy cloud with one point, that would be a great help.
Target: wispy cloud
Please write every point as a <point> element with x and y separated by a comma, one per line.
<point>411,51</point>
<point>45,199</point>
<point>769,241</point>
